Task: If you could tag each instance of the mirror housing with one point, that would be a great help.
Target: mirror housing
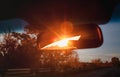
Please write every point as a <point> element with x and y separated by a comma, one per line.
<point>90,35</point>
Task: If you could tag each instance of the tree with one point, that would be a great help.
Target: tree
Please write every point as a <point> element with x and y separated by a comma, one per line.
<point>115,61</point>
<point>19,49</point>
<point>59,60</point>
<point>97,62</point>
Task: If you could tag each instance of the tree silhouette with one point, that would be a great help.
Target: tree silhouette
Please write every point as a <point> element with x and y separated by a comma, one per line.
<point>59,59</point>
<point>115,61</point>
<point>20,50</point>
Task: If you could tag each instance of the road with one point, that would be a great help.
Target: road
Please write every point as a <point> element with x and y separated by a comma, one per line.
<point>106,72</point>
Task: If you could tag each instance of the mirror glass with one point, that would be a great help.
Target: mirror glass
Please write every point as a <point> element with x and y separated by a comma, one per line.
<point>69,36</point>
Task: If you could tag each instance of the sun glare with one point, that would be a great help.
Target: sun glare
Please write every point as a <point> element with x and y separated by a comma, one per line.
<point>62,43</point>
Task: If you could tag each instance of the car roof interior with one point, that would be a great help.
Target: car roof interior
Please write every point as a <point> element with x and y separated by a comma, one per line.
<point>78,11</point>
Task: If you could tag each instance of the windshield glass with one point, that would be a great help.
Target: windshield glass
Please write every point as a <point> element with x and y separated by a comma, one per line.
<point>20,53</point>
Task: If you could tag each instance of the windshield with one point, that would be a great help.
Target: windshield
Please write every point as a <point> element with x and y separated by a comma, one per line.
<point>20,54</point>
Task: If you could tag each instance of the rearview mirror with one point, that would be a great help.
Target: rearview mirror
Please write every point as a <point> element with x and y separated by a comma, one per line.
<point>71,36</point>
